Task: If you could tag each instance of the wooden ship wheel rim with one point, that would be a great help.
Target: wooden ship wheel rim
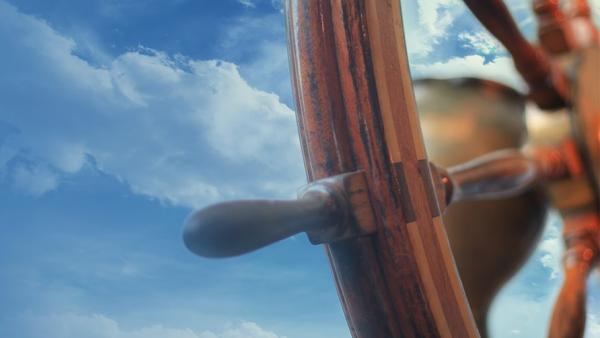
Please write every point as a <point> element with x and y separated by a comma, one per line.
<point>370,78</point>
<point>373,199</point>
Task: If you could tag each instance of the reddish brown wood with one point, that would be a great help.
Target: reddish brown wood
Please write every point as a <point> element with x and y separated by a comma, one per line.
<point>332,209</point>
<point>531,63</point>
<point>356,111</point>
<point>551,23</point>
<point>565,28</point>
<point>577,200</point>
<point>581,240</point>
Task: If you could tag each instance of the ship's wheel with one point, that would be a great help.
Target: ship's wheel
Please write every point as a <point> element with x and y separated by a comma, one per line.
<point>378,204</point>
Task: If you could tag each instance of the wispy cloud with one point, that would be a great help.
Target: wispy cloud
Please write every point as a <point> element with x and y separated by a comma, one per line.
<point>481,42</point>
<point>500,69</point>
<point>595,4</point>
<point>428,22</point>
<point>551,247</point>
<point>436,16</point>
<point>247,3</point>
<point>34,179</point>
<point>95,326</point>
<point>181,130</point>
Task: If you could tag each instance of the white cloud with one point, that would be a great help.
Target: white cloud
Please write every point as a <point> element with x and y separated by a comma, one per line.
<point>180,130</point>
<point>482,41</point>
<point>524,316</point>
<point>99,326</point>
<point>520,315</point>
<point>501,69</point>
<point>436,25</point>
<point>188,132</point>
<point>595,5</point>
<point>437,15</point>
<point>244,330</point>
<point>270,69</point>
<point>277,4</point>
<point>259,45</point>
<point>523,308</point>
<point>34,179</point>
<point>433,25</point>
<point>551,246</point>
<point>592,326</point>
<point>247,3</point>
<point>427,22</point>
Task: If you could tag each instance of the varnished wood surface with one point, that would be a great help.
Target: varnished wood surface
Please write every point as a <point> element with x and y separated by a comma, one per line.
<point>356,111</point>
<point>453,113</point>
<point>332,209</point>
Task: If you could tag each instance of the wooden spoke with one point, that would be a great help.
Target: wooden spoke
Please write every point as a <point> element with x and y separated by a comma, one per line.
<point>581,239</point>
<point>375,201</point>
<point>546,83</point>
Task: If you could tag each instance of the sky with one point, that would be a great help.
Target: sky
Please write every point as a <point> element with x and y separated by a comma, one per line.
<point>119,117</point>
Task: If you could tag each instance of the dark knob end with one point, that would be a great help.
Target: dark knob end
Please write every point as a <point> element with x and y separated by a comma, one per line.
<point>234,228</point>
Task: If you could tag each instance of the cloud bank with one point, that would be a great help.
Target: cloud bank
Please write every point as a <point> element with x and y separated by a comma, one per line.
<point>184,131</point>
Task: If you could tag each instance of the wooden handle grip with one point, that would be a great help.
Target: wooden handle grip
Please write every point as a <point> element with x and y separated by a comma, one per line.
<point>234,228</point>
<point>499,174</point>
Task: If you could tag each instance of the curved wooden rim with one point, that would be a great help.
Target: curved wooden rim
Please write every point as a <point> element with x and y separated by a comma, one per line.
<point>356,111</point>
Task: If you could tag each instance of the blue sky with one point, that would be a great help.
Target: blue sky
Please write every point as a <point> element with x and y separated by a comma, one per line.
<point>117,118</point>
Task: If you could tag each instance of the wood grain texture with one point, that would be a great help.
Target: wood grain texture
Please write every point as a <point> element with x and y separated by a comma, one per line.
<point>356,111</point>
